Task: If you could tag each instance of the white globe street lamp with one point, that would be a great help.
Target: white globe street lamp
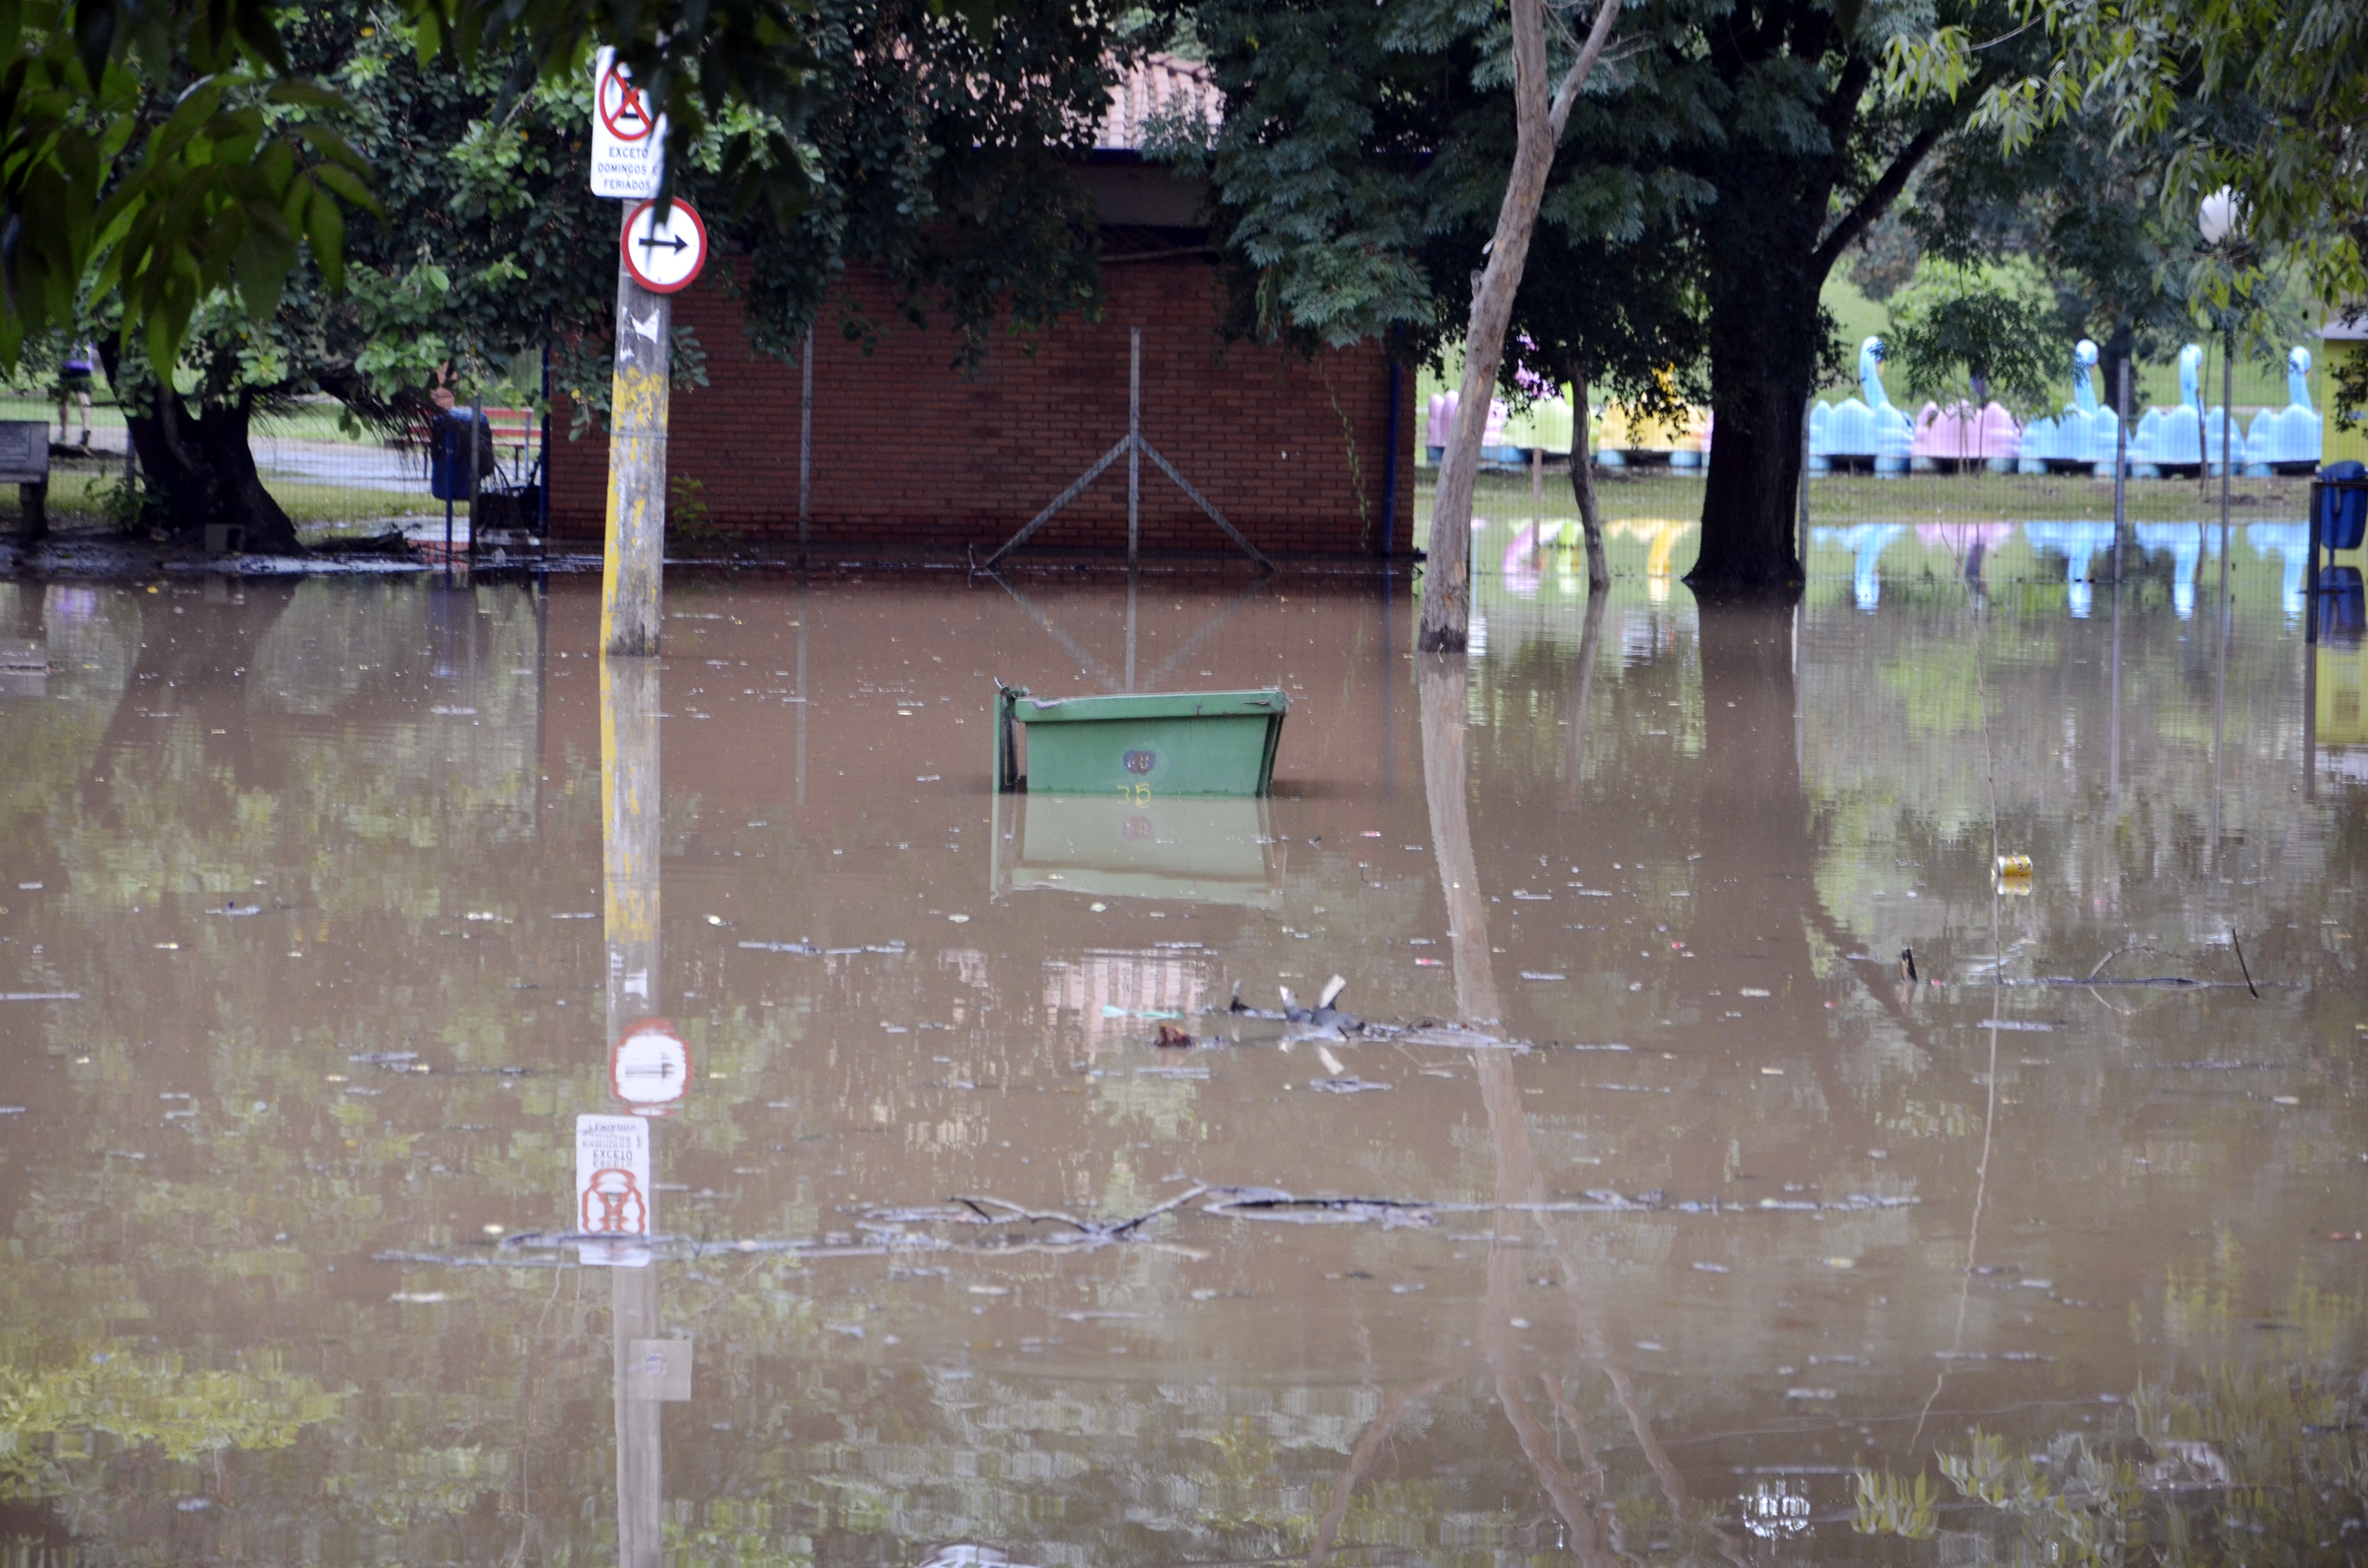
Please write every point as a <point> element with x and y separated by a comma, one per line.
<point>2219,216</point>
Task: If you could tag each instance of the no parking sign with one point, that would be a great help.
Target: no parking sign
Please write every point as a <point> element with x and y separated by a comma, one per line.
<point>628,140</point>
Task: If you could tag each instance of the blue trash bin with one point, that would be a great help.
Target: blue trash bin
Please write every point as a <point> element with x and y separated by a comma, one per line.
<point>448,453</point>
<point>2343,513</point>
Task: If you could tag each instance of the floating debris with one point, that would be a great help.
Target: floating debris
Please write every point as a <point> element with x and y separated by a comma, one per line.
<point>1323,1017</point>
<point>1345,1086</point>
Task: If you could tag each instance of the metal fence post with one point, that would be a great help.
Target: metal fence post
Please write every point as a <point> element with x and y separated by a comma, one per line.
<point>1135,444</point>
<point>805,438</point>
<point>2122,469</point>
<point>2318,492</point>
<point>476,418</point>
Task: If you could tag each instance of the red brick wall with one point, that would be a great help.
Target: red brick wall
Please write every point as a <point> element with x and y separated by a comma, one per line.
<point>911,454</point>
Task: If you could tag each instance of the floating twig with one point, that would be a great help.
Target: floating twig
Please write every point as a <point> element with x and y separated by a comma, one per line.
<point>2242,965</point>
<point>1181,1198</point>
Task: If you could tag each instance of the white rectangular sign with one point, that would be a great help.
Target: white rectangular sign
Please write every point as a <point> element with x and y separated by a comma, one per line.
<point>613,1189</point>
<point>628,145</point>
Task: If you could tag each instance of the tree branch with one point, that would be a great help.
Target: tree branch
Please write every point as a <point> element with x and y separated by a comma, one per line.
<point>1606,13</point>
<point>1877,200</point>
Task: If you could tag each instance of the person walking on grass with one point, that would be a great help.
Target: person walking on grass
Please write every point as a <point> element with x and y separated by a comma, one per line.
<point>75,381</point>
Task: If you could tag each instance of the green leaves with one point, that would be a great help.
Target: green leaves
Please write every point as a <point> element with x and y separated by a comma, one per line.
<point>1937,65</point>
<point>152,155</point>
<point>693,58</point>
<point>219,196</point>
<point>1996,323</point>
<point>2259,95</point>
<point>155,150</point>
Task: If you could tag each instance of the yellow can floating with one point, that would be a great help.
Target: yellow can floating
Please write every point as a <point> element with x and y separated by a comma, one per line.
<point>2014,873</point>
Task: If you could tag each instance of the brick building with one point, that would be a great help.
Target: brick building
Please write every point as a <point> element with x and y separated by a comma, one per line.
<point>910,455</point>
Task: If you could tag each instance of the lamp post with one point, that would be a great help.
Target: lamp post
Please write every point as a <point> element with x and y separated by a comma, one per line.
<point>2219,217</point>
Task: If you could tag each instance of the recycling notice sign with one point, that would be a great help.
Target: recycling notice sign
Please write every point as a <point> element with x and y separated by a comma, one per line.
<point>627,140</point>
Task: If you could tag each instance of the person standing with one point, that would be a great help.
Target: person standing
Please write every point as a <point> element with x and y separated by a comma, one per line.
<point>74,373</point>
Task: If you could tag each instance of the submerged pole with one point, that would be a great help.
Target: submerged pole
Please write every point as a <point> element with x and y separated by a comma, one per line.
<point>632,568</point>
<point>444,427</point>
<point>2228,458</point>
<point>2122,465</point>
<point>2113,717</point>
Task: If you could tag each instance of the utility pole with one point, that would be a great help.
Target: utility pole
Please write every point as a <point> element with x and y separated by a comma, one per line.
<point>633,569</point>
<point>659,254</point>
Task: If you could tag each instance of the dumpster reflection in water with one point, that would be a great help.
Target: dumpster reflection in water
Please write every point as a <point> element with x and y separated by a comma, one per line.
<point>1202,849</point>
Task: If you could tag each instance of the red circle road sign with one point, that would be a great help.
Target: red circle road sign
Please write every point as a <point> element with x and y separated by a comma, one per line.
<point>665,258</point>
<point>649,1068</point>
<point>624,110</point>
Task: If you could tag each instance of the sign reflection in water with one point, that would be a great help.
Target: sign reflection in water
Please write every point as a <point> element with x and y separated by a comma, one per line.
<point>649,1072</point>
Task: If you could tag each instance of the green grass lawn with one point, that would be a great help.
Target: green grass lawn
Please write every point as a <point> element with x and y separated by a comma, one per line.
<point>77,498</point>
<point>312,422</point>
<point>1839,500</point>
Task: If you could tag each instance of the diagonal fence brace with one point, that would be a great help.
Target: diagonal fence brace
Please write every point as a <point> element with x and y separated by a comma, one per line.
<point>1076,488</point>
<point>1202,502</point>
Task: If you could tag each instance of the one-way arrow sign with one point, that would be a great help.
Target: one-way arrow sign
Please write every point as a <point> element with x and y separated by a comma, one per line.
<point>665,257</point>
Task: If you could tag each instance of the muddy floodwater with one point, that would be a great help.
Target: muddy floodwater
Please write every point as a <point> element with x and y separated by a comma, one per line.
<point>461,1102</point>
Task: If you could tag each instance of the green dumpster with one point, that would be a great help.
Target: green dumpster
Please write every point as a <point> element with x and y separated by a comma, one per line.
<point>1143,745</point>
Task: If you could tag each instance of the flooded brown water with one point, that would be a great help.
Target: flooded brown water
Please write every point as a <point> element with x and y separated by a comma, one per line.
<point>1714,1237</point>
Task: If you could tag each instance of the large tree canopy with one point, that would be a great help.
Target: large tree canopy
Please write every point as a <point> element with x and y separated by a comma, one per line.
<point>157,150</point>
<point>929,148</point>
<point>1748,143</point>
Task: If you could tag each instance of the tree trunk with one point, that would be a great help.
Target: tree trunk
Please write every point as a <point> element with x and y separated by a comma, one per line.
<point>200,466</point>
<point>1750,499</point>
<point>1766,330</point>
<point>1446,586</point>
<point>1582,482</point>
<point>202,469</point>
